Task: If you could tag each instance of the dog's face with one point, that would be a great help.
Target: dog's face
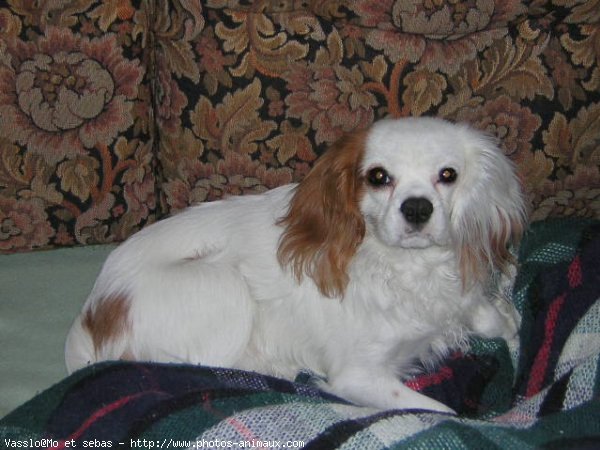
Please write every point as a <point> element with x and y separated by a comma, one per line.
<point>411,172</point>
<point>411,184</point>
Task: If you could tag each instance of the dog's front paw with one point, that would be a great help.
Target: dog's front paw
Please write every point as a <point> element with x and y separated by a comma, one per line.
<point>382,392</point>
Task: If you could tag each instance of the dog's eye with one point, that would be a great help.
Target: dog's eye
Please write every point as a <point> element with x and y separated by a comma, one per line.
<point>378,176</point>
<point>448,175</point>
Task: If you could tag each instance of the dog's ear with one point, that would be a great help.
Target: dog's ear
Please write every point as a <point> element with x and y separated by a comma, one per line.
<point>324,226</point>
<point>488,211</point>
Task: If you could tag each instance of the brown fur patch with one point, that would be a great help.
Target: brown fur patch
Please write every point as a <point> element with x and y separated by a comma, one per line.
<point>108,320</point>
<point>324,225</point>
<point>127,356</point>
<point>477,259</point>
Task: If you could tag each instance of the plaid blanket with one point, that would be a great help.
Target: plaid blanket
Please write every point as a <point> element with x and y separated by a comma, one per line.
<point>543,393</point>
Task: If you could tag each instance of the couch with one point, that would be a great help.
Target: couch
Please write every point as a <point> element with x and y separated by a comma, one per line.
<point>116,114</point>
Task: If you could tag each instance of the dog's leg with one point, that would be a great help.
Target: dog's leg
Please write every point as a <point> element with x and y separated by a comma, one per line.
<point>495,318</point>
<point>383,391</point>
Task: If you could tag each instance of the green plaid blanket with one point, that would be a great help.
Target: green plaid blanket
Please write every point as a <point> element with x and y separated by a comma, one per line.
<point>542,394</point>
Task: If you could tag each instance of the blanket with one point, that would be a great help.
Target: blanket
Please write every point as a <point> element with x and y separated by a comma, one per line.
<point>542,393</point>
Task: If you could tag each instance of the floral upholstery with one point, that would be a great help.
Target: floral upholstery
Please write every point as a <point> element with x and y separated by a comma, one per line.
<point>113,114</point>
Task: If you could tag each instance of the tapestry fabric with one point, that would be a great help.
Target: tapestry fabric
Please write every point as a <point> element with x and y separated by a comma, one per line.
<point>544,393</point>
<point>116,113</point>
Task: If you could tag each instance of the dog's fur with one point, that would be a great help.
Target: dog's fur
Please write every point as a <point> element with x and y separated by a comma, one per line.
<point>340,274</point>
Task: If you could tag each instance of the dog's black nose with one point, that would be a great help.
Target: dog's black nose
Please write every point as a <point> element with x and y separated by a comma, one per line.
<point>416,210</point>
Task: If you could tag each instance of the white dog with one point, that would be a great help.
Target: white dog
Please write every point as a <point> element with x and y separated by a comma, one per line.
<point>387,255</point>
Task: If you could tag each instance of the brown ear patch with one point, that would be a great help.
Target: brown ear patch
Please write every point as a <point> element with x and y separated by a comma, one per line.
<point>324,225</point>
<point>108,321</point>
<point>481,254</point>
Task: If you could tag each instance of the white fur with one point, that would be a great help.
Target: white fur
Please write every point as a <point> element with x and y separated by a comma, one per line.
<point>205,286</point>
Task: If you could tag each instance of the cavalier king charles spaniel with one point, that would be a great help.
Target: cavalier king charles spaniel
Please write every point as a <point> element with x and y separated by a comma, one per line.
<point>392,251</point>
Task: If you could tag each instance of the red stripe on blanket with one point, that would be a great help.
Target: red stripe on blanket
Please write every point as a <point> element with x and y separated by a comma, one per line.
<point>575,274</point>
<point>94,417</point>
<point>540,364</point>
<point>243,430</point>
<point>422,382</point>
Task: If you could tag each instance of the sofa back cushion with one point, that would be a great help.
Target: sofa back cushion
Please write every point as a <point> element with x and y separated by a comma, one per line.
<point>112,118</point>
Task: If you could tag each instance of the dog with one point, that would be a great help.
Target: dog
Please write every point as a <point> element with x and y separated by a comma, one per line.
<point>391,253</point>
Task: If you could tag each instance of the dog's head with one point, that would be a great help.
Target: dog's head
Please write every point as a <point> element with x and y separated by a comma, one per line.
<point>410,184</point>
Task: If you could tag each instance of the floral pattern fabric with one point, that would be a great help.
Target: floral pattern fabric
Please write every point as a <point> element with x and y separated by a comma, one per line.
<point>77,159</point>
<point>115,113</point>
